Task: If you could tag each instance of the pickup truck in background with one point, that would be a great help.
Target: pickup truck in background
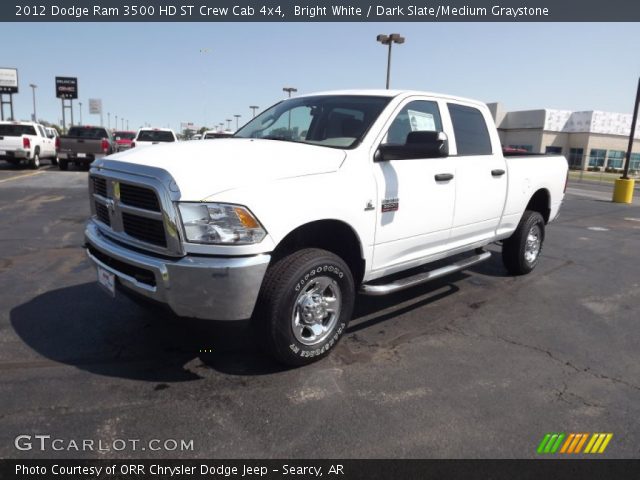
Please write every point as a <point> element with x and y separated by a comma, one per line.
<point>209,134</point>
<point>318,198</point>
<point>123,139</point>
<point>26,142</point>
<point>83,144</point>
<point>152,136</point>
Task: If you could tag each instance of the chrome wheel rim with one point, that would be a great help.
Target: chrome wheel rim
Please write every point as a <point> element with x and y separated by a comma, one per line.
<point>316,310</point>
<point>532,244</point>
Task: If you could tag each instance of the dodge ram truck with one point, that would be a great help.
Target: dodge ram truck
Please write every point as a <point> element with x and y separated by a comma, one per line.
<point>318,198</point>
<point>82,145</point>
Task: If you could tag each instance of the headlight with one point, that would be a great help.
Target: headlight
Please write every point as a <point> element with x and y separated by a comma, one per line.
<point>220,223</point>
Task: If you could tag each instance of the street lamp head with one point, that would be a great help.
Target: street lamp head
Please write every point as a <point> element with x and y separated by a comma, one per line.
<point>33,85</point>
<point>396,38</point>
<point>383,39</point>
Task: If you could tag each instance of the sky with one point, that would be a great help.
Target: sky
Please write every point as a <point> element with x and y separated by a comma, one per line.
<point>167,73</point>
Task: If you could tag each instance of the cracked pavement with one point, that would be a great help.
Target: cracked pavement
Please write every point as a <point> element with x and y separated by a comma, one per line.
<point>476,365</point>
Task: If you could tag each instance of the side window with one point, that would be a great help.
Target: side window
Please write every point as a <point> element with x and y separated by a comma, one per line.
<point>419,115</point>
<point>472,136</point>
<point>42,134</point>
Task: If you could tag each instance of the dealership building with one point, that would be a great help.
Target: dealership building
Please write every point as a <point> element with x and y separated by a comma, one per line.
<point>590,140</point>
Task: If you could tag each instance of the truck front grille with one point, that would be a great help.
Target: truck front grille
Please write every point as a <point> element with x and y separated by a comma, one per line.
<point>102,213</point>
<point>132,211</point>
<point>145,229</point>
<point>99,186</point>
<point>139,197</point>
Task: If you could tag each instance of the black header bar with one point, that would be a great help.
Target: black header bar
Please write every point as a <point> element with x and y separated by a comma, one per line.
<point>320,11</point>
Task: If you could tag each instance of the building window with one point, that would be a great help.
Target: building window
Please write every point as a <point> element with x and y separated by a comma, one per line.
<point>615,159</point>
<point>596,157</point>
<point>575,157</point>
<point>634,162</point>
<point>553,150</point>
<point>528,148</point>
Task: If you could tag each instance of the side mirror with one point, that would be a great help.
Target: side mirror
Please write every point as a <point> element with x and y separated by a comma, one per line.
<point>422,144</point>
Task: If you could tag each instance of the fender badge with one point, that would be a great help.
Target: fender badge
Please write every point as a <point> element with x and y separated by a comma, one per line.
<point>390,204</point>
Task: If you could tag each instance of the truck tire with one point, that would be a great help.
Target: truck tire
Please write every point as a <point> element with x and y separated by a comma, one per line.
<point>305,305</point>
<point>521,251</point>
<point>54,160</point>
<point>35,161</point>
<point>63,164</point>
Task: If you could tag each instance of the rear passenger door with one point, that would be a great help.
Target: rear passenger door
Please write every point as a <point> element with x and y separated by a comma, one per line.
<point>481,177</point>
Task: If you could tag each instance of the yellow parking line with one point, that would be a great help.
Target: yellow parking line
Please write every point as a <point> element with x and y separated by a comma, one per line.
<point>21,176</point>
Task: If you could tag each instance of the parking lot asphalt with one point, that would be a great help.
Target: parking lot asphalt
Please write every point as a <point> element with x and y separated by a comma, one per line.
<point>477,365</point>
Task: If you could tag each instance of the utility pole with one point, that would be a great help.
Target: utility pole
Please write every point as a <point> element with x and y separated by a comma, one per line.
<point>253,110</point>
<point>389,40</point>
<point>33,89</point>
<point>237,118</point>
<point>80,103</point>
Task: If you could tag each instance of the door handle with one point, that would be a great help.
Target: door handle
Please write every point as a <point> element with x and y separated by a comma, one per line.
<point>443,177</point>
<point>498,172</point>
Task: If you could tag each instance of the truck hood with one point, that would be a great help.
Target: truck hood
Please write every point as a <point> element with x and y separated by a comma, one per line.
<point>203,168</point>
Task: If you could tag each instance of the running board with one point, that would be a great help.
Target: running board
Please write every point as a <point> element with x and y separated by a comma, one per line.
<point>423,277</point>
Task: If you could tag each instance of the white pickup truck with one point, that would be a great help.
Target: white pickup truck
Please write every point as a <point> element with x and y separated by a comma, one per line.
<point>153,136</point>
<point>27,142</point>
<point>318,198</point>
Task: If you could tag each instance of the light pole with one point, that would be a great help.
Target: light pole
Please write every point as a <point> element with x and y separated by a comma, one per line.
<point>33,89</point>
<point>253,110</point>
<point>122,122</point>
<point>116,122</point>
<point>390,40</point>
<point>228,123</point>
<point>128,124</point>
<point>289,90</point>
<point>221,126</point>
<point>237,118</point>
<point>109,119</point>
<point>80,104</point>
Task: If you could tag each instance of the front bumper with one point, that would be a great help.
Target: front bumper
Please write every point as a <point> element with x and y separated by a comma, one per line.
<point>211,288</point>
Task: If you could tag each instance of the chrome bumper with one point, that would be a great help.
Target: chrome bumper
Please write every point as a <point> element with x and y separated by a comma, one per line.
<point>211,288</point>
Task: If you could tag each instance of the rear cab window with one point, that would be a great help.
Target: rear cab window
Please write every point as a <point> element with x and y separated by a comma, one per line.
<point>470,130</point>
<point>155,136</point>
<point>9,130</point>
<point>88,132</point>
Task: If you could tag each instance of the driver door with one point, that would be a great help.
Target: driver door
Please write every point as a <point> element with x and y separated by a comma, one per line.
<point>416,196</point>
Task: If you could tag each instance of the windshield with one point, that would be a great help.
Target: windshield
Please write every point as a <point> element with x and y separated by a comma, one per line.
<point>16,130</point>
<point>339,121</point>
<point>94,133</point>
<point>155,136</point>
<point>125,135</point>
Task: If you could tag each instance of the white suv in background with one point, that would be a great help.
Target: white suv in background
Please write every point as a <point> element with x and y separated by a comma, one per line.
<point>27,141</point>
<point>151,136</point>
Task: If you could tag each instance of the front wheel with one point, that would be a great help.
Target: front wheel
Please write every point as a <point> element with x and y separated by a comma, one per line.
<point>521,251</point>
<point>305,305</point>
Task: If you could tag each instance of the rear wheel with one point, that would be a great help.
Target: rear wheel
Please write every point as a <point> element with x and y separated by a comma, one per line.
<point>35,161</point>
<point>305,306</point>
<point>54,160</point>
<point>521,251</point>
<point>63,164</point>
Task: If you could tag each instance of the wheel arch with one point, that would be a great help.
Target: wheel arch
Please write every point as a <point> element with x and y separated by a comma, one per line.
<point>333,235</point>
<point>540,202</point>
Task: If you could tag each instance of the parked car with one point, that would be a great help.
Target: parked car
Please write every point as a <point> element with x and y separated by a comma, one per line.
<point>315,199</point>
<point>123,139</point>
<point>83,144</point>
<point>153,136</point>
<point>26,142</point>
<point>216,134</point>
